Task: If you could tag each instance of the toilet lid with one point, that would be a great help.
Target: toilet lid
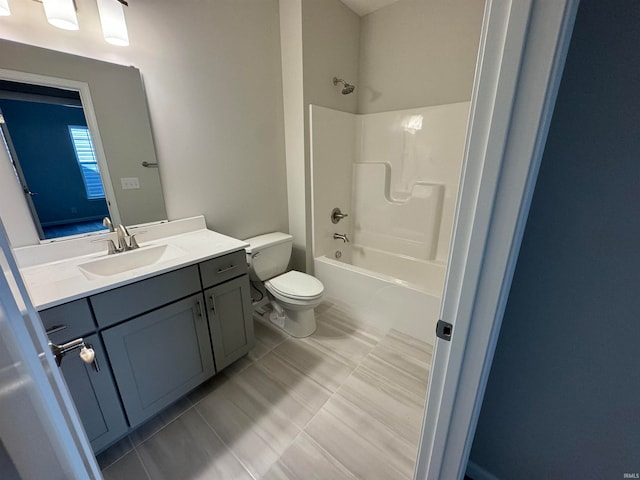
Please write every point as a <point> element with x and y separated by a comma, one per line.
<point>295,284</point>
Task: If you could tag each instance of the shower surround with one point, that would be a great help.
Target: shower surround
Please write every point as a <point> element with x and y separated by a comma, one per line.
<point>396,174</point>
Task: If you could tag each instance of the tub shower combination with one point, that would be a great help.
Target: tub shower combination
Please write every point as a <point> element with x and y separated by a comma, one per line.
<point>384,187</point>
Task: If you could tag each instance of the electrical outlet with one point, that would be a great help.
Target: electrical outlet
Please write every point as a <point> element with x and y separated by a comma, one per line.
<point>130,183</point>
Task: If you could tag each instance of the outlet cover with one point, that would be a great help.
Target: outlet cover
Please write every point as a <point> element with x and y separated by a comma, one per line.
<point>130,183</point>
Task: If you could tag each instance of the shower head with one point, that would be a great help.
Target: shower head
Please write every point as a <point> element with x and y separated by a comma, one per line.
<point>347,89</point>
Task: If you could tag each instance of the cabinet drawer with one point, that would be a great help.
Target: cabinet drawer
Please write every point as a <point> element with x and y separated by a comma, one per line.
<point>132,300</point>
<point>69,321</point>
<point>221,269</point>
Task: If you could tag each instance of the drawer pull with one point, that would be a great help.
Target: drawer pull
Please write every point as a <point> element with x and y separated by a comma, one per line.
<point>56,329</point>
<point>224,270</point>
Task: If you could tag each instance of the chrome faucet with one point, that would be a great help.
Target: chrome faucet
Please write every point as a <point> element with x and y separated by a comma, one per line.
<point>106,222</point>
<point>123,234</point>
<point>341,236</point>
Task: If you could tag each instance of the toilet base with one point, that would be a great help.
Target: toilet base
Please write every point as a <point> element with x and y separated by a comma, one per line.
<point>300,324</point>
<point>297,323</point>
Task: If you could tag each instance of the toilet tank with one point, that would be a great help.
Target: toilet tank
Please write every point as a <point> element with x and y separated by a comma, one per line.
<point>268,255</point>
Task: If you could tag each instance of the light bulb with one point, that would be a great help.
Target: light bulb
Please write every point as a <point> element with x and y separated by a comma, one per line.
<point>61,14</point>
<point>114,27</point>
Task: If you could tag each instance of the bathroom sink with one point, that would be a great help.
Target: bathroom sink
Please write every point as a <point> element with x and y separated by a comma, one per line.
<point>126,261</point>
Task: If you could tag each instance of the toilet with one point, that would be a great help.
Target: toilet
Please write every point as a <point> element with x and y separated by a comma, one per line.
<point>293,295</point>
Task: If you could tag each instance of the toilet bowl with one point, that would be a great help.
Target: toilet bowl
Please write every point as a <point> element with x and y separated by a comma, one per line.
<point>293,295</point>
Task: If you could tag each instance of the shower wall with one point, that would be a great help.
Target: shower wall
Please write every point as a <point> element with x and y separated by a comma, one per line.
<point>395,173</point>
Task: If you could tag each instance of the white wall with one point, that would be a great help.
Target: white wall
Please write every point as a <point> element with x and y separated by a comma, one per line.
<point>416,53</point>
<point>562,396</point>
<point>212,73</point>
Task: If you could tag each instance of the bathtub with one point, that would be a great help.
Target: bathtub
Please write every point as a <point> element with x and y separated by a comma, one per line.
<point>384,289</point>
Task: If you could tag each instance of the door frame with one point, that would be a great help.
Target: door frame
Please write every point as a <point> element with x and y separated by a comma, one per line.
<point>523,48</point>
<point>44,434</point>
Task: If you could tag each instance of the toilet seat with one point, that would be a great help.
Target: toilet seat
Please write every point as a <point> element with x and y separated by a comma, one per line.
<point>296,285</point>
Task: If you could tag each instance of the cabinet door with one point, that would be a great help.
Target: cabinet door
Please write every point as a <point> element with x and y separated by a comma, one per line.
<point>230,320</point>
<point>95,396</point>
<point>160,356</point>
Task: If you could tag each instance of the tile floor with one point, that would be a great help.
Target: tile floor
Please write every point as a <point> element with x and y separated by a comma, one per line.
<point>345,403</point>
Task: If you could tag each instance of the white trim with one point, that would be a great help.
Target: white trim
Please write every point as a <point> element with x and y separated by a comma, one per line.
<point>90,115</point>
<point>476,472</point>
<point>522,52</point>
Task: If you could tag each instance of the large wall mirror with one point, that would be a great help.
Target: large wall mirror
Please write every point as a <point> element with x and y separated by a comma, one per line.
<point>78,143</point>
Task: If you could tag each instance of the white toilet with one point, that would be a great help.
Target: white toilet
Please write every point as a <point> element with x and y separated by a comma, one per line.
<point>294,294</point>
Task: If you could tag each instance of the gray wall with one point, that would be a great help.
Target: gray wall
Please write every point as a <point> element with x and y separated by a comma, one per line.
<point>416,53</point>
<point>563,398</point>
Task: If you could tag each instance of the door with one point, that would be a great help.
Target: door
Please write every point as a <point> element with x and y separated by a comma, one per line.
<point>40,431</point>
<point>230,320</point>
<point>15,165</point>
<point>160,356</point>
<point>522,52</point>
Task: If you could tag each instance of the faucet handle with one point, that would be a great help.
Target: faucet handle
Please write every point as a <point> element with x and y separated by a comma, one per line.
<point>111,247</point>
<point>133,243</point>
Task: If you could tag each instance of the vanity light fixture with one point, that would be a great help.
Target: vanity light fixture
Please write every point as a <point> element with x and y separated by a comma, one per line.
<point>4,8</point>
<point>61,13</point>
<point>114,27</point>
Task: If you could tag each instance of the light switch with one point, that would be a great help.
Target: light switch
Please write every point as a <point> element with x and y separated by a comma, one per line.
<point>130,183</point>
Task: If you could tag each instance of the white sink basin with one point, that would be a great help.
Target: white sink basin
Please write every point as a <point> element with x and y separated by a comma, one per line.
<point>126,261</point>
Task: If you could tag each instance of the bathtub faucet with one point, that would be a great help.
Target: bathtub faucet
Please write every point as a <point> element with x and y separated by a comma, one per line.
<point>341,236</point>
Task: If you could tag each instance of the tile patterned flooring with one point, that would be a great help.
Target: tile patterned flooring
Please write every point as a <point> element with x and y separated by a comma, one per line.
<point>345,403</point>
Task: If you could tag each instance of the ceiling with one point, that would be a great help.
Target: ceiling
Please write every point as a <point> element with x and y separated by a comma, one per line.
<point>364,7</point>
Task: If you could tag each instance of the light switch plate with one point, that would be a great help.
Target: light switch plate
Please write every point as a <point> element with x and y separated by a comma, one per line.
<point>130,183</point>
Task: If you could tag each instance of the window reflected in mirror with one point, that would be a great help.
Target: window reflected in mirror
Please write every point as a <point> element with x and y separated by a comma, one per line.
<point>52,154</point>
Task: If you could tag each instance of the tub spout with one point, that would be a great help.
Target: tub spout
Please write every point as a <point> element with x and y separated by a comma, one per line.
<point>341,236</point>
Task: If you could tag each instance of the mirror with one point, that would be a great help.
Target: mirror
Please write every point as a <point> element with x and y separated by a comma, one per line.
<point>117,122</point>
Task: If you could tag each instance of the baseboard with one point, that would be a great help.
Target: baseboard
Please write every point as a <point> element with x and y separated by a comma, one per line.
<point>476,472</point>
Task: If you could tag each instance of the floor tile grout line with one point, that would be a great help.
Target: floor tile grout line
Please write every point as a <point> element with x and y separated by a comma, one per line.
<point>163,426</point>
<point>144,466</point>
<point>347,426</point>
<point>225,444</point>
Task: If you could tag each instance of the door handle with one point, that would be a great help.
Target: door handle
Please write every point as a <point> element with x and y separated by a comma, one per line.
<point>29,192</point>
<point>199,312</point>
<point>212,305</point>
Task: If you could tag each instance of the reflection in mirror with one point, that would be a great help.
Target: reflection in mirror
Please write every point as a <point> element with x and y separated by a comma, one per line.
<point>116,113</point>
<point>52,154</point>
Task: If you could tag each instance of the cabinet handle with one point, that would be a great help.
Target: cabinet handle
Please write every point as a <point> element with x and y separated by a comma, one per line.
<point>199,313</point>
<point>213,305</point>
<point>224,270</point>
<point>56,329</point>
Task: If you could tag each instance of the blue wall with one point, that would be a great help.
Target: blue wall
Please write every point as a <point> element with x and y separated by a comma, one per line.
<point>563,398</point>
<point>40,135</point>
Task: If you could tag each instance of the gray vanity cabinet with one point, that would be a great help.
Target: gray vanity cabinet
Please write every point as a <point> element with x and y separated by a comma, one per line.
<point>230,320</point>
<point>160,356</point>
<point>95,396</point>
<point>94,393</point>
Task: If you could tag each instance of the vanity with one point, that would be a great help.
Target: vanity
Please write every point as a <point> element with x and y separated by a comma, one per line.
<point>161,319</point>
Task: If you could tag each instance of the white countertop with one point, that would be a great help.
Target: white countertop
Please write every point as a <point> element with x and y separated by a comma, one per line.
<point>52,283</point>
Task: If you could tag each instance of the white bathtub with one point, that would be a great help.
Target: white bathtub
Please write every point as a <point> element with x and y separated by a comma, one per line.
<point>383,289</point>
